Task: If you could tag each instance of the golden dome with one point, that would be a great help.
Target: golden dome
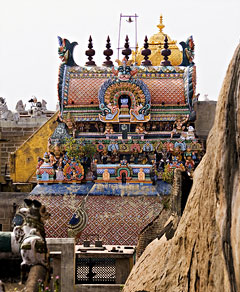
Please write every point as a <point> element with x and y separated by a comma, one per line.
<point>156,44</point>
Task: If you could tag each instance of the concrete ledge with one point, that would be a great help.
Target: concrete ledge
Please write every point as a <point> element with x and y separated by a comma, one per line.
<point>98,288</point>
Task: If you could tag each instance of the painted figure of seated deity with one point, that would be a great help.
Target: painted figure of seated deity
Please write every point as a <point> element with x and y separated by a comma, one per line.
<point>106,175</point>
<point>141,175</point>
<point>108,128</point>
<point>140,129</point>
<point>179,126</point>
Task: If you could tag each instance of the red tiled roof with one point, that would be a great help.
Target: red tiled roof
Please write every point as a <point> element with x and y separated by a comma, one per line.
<point>84,91</point>
<point>114,219</point>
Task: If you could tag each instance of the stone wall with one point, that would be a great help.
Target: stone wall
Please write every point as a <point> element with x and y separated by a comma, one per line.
<point>205,114</point>
<point>13,135</point>
<point>170,205</point>
<point>151,231</point>
<point>9,202</point>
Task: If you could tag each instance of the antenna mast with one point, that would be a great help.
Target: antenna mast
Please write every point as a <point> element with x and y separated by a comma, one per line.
<point>131,18</point>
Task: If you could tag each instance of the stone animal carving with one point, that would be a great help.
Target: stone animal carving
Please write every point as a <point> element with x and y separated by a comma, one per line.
<point>29,233</point>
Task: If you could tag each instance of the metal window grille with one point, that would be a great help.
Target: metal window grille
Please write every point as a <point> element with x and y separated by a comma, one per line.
<point>95,271</point>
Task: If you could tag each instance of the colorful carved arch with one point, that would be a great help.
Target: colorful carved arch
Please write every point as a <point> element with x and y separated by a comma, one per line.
<point>120,172</point>
<point>136,89</point>
<point>124,92</point>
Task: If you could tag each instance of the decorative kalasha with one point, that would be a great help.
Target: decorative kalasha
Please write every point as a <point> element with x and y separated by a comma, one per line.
<point>90,53</point>
<point>146,52</point>
<point>166,52</point>
<point>124,123</point>
<point>126,51</point>
<point>108,53</point>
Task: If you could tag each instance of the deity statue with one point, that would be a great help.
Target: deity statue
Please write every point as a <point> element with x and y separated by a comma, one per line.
<point>161,126</point>
<point>141,175</point>
<point>81,127</point>
<point>154,127</point>
<point>70,123</point>
<point>108,129</point>
<point>148,127</point>
<point>104,157</point>
<point>168,127</point>
<point>178,126</point>
<point>101,127</point>
<point>87,127</point>
<point>124,161</point>
<point>113,146</point>
<point>188,52</point>
<point>94,168</point>
<point>106,175</point>
<point>40,162</point>
<point>189,164</point>
<point>53,160</point>
<point>190,133</point>
<point>140,129</point>
<point>59,171</point>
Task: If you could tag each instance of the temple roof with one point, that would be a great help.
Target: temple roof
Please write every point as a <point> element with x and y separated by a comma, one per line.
<point>156,43</point>
<point>81,88</point>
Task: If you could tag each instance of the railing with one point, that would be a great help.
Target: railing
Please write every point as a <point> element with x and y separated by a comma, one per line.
<point>95,271</point>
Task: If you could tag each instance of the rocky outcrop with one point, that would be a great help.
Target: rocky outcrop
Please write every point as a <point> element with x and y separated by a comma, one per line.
<point>204,253</point>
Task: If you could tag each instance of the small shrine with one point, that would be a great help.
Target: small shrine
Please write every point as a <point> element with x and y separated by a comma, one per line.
<point>123,127</point>
<point>118,122</point>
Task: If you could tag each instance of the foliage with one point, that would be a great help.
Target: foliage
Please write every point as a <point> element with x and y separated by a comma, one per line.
<point>89,150</point>
<point>74,150</point>
<point>77,150</point>
<point>167,175</point>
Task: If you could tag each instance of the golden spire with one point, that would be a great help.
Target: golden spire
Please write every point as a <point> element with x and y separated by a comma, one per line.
<point>161,25</point>
<point>156,43</point>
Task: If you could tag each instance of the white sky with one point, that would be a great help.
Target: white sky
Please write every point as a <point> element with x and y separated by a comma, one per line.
<point>29,30</point>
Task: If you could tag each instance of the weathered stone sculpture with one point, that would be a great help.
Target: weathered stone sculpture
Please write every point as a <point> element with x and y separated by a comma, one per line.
<point>21,108</point>
<point>28,238</point>
<point>5,113</point>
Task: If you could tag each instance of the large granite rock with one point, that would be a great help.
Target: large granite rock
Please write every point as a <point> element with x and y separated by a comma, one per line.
<point>204,253</point>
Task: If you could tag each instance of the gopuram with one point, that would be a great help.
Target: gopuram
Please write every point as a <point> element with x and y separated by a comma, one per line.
<point>123,128</point>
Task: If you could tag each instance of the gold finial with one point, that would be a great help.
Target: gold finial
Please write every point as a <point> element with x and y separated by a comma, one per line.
<point>161,25</point>
<point>137,48</point>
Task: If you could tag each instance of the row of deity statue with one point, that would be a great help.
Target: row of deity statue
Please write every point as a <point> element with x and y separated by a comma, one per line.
<point>180,127</point>
<point>58,166</point>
